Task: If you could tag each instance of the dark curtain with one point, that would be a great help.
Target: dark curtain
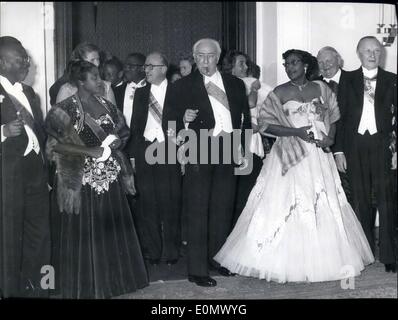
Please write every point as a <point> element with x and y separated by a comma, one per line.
<point>239,27</point>
<point>170,27</point>
<point>124,27</point>
<point>62,36</point>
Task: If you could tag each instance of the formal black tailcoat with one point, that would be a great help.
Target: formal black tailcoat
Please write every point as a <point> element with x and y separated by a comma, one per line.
<point>119,95</point>
<point>24,227</point>
<point>208,189</point>
<point>159,188</point>
<point>368,156</point>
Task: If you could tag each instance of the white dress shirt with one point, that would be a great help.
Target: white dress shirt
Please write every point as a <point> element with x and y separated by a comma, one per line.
<point>16,90</point>
<point>129,99</point>
<point>368,118</point>
<point>153,129</point>
<point>335,78</point>
<point>222,115</point>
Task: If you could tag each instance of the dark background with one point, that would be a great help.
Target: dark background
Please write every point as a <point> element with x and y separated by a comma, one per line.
<point>169,27</point>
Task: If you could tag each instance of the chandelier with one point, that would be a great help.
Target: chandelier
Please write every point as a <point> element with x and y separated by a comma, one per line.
<point>387,31</point>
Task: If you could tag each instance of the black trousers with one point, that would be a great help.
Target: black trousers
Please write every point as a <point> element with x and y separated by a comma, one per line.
<point>158,206</point>
<point>209,195</point>
<point>369,167</point>
<point>26,229</point>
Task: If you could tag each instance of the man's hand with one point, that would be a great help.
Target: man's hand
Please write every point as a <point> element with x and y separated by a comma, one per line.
<point>341,162</point>
<point>13,128</point>
<point>190,115</point>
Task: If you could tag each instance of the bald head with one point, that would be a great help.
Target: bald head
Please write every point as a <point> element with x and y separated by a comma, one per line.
<point>369,51</point>
<point>7,43</point>
<point>160,56</point>
<point>156,66</point>
<point>14,61</point>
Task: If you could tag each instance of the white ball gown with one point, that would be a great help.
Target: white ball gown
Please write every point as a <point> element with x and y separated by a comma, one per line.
<point>297,227</point>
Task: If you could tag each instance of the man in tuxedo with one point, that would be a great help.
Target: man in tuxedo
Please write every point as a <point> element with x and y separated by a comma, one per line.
<point>24,215</point>
<point>207,99</point>
<point>331,68</point>
<point>158,184</point>
<point>366,99</point>
<point>330,65</point>
<point>134,76</point>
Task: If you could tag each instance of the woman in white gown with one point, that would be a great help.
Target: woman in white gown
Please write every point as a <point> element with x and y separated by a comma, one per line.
<point>297,224</point>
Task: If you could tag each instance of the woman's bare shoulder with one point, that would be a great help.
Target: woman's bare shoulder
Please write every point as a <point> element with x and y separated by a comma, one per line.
<point>282,90</point>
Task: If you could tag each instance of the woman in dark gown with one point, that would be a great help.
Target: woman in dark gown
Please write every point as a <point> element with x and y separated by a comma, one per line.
<point>96,250</point>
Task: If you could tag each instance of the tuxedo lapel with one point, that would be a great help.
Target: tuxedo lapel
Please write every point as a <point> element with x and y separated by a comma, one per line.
<point>201,98</point>
<point>120,92</point>
<point>166,97</point>
<point>358,87</point>
<point>37,115</point>
<point>140,109</point>
<point>381,87</point>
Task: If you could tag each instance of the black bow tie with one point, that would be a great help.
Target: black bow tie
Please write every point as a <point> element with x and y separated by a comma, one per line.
<point>333,85</point>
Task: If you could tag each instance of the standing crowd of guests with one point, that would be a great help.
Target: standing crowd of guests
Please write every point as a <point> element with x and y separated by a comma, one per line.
<point>79,192</point>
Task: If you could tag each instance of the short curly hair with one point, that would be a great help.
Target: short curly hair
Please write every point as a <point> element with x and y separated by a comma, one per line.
<point>79,69</point>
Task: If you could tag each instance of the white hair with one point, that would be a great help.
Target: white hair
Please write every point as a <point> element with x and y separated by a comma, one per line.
<point>215,42</point>
<point>334,52</point>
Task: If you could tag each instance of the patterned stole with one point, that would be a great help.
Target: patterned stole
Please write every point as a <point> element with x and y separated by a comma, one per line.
<point>217,93</point>
<point>155,109</point>
<point>369,91</point>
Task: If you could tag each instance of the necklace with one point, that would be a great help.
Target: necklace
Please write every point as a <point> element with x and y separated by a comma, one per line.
<point>300,87</point>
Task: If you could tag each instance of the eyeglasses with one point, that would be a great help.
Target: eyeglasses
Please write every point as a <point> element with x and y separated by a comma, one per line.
<point>292,63</point>
<point>151,66</point>
<point>133,66</point>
